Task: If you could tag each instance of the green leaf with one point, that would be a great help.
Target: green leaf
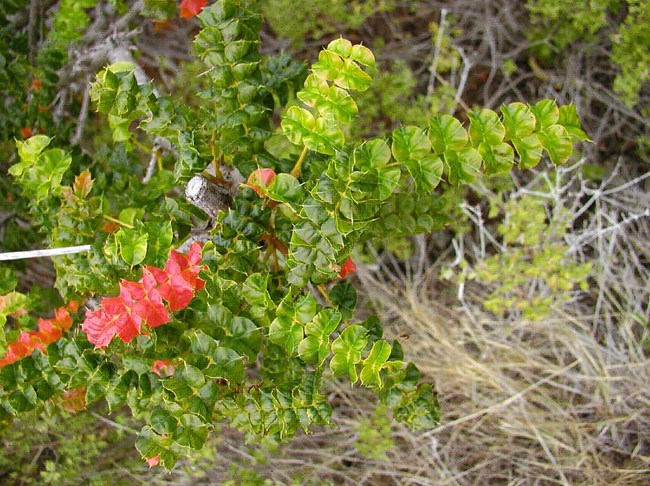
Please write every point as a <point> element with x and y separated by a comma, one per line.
<point>374,363</point>
<point>518,119</point>
<point>192,376</point>
<point>179,387</point>
<point>341,46</point>
<point>410,143</point>
<point>344,296</point>
<point>447,133</point>
<point>30,149</point>
<point>162,422</point>
<point>497,158</point>
<point>557,142</point>
<point>426,172</point>
<point>329,65</point>
<point>287,328</point>
<point>363,56</point>
<point>568,118</point>
<point>546,112</point>
<point>326,137</point>
<point>529,149</point>
<point>315,347</point>
<point>244,337</point>
<point>297,123</point>
<point>388,180</point>
<point>485,127</point>
<point>8,282</point>
<point>330,101</point>
<point>285,188</point>
<point>373,153</point>
<point>192,433</point>
<point>255,290</point>
<point>286,332</point>
<point>132,245</point>
<point>352,77</point>
<point>347,349</point>
<point>227,365</point>
<point>98,383</point>
<point>462,167</point>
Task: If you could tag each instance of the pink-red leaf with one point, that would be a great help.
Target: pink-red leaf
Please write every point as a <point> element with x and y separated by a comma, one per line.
<point>190,8</point>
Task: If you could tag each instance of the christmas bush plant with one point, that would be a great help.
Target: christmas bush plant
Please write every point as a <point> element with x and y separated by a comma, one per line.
<point>238,312</point>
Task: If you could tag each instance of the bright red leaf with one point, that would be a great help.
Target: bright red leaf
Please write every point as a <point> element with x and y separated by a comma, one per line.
<point>142,302</point>
<point>49,331</point>
<point>190,8</point>
<point>347,268</point>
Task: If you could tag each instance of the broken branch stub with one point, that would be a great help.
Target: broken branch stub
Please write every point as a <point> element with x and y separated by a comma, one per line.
<point>207,196</point>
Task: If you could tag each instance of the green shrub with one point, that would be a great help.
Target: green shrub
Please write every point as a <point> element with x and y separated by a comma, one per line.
<point>245,327</point>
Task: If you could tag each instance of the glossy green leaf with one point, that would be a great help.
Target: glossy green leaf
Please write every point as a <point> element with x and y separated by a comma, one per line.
<point>347,349</point>
<point>326,137</point>
<point>344,296</point>
<point>374,363</point>
<point>518,119</point>
<point>447,133</point>
<point>557,142</point>
<point>497,158</point>
<point>462,167</point>
<point>529,150</point>
<point>315,347</point>
<point>410,143</point>
<point>330,101</point>
<point>30,149</point>
<point>373,153</point>
<point>363,55</point>
<point>329,65</point>
<point>297,123</point>
<point>352,77</point>
<point>285,188</point>
<point>132,245</point>
<point>426,172</point>
<point>341,46</point>
<point>226,364</point>
<point>255,290</point>
<point>244,337</point>
<point>568,118</point>
<point>546,113</point>
<point>485,127</point>
<point>192,432</point>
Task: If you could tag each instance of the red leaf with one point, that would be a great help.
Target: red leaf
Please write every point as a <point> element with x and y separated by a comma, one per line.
<point>150,306</point>
<point>190,8</point>
<point>113,319</point>
<point>153,461</point>
<point>83,183</point>
<point>163,367</point>
<point>259,180</point>
<point>347,268</point>
<point>49,331</point>
<point>142,302</point>
<point>26,132</point>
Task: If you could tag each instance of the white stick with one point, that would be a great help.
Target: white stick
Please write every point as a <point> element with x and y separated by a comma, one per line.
<point>19,255</point>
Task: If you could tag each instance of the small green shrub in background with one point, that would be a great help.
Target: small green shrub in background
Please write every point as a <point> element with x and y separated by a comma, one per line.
<point>375,435</point>
<point>534,273</point>
<point>561,24</point>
